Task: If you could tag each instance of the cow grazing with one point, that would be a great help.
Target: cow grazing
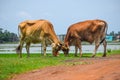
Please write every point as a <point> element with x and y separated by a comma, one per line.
<point>37,31</point>
<point>89,31</point>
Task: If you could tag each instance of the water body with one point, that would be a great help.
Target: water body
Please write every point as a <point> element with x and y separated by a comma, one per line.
<point>36,48</point>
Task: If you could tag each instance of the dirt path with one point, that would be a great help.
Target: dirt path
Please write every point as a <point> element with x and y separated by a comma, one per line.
<point>84,69</point>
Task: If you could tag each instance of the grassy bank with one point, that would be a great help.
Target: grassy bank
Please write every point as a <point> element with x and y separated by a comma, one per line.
<point>10,64</point>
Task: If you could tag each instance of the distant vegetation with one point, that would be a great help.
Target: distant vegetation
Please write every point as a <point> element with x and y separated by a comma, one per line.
<point>6,36</point>
<point>116,36</point>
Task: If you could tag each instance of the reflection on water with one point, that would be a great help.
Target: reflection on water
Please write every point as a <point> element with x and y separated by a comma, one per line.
<point>35,48</point>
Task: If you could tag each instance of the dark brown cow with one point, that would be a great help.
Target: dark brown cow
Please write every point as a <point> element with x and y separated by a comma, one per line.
<point>89,31</point>
<point>38,31</point>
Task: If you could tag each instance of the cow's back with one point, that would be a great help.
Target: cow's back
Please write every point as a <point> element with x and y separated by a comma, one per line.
<point>86,30</point>
<point>35,31</point>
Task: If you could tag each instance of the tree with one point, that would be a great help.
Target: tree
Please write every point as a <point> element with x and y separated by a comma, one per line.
<point>1,30</point>
<point>118,32</point>
<point>113,34</point>
<point>6,36</point>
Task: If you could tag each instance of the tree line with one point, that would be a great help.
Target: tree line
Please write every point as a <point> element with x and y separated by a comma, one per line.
<point>6,36</point>
<point>115,35</point>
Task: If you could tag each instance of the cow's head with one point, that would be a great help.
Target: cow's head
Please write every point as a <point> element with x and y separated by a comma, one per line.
<point>56,47</point>
<point>65,49</point>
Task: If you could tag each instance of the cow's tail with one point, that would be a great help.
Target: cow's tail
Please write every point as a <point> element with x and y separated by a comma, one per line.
<point>18,48</point>
<point>104,37</point>
<point>18,31</point>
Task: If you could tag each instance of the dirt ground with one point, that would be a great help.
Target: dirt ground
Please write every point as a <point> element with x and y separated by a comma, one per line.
<point>107,68</point>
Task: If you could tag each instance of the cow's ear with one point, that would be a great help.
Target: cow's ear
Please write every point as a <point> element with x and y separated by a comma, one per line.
<point>53,44</point>
<point>65,48</point>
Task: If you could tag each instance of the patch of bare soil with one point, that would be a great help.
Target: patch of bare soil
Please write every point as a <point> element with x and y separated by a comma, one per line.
<point>107,68</point>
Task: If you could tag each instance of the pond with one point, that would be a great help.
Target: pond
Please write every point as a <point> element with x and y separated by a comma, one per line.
<point>36,48</point>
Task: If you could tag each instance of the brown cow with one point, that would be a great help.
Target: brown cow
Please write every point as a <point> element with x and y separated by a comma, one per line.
<point>37,31</point>
<point>89,31</point>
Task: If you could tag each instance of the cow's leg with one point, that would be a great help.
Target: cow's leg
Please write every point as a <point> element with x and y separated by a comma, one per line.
<point>45,50</point>
<point>28,49</point>
<point>76,50</point>
<point>78,45</point>
<point>96,47</point>
<point>80,48</point>
<point>22,42</point>
<point>19,48</point>
<point>105,45</point>
<point>44,47</point>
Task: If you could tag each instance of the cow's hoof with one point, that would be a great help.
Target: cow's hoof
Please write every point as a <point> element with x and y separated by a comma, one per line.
<point>56,55</point>
<point>76,55</point>
<point>93,56</point>
<point>104,56</point>
<point>66,55</point>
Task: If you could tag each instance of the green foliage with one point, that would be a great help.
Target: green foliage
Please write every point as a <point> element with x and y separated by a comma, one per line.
<point>11,64</point>
<point>6,36</point>
<point>112,52</point>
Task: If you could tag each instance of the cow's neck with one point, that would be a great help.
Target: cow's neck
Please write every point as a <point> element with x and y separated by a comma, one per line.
<point>66,42</point>
<point>54,39</point>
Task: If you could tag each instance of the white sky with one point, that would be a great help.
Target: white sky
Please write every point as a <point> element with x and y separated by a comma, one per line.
<point>61,13</point>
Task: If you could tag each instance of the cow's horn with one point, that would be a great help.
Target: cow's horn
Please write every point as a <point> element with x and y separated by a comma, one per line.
<point>53,44</point>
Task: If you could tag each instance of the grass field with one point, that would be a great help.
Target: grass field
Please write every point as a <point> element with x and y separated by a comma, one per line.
<point>11,65</point>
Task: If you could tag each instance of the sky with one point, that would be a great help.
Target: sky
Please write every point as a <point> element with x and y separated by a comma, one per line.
<point>61,13</point>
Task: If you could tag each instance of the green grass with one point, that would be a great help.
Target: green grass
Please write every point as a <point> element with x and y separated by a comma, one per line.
<point>10,64</point>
